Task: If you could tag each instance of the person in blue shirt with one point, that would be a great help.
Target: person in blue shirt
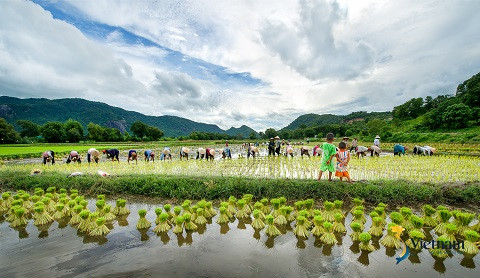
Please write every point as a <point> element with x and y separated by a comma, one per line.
<point>112,154</point>
<point>149,155</point>
<point>132,155</point>
<point>399,150</point>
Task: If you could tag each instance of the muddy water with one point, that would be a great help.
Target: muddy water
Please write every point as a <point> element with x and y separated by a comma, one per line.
<point>233,250</point>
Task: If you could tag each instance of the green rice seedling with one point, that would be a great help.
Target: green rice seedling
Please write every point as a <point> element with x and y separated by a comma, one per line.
<point>158,212</point>
<point>101,197</point>
<point>338,226</point>
<point>281,220</point>
<point>455,213</point>
<point>179,224</point>
<point>209,207</point>
<point>309,207</point>
<point>167,208</point>
<point>76,219</point>
<point>223,217</point>
<point>356,202</point>
<point>451,230</point>
<point>100,204</point>
<point>73,196</point>
<point>396,218</point>
<point>143,223</point>
<point>20,219</point>
<point>73,191</point>
<point>100,228</point>
<point>417,223</point>
<point>470,242</point>
<point>62,191</point>
<point>200,219</point>
<point>318,226</point>
<point>34,199</point>
<point>259,206</point>
<point>438,251</point>
<point>406,213</point>
<point>283,201</point>
<point>428,212</point>
<point>177,210</point>
<point>444,216</point>
<point>84,224</point>
<point>59,212</point>
<point>3,208</point>
<point>373,214</point>
<point>232,202</point>
<point>338,204</point>
<point>271,229</point>
<point>414,236</point>
<point>288,214</point>
<point>49,207</point>
<point>359,216</point>
<point>162,226</point>
<point>194,212</point>
<point>203,204</point>
<point>84,204</point>
<point>107,214</point>
<point>381,213</point>
<point>300,228</point>
<point>328,214</point>
<point>276,207</point>
<point>11,213</point>
<point>7,200</point>
<point>39,191</point>
<point>123,210</point>
<point>69,211</point>
<point>241,209</point>
<point>365,243</point>
<point>225,205</point>
<point>42,217</point>
<point>304,213</point>
<point>92,221</point>
<point>357,229</point>
<point>328,237</point>
<point>248,206</point>
<point>116,209</point>
<point>35,213</point>
<point>79,199</point>
<point>186,205</point>
<point>257,222</point>
<point>377,227</point>
<point>382,205</point>
<point>187,223</point>
<point>390,239</point>
<point>464,220</point>
<point>266,209</point>
<point>52,190</point>
<point>26,202</point>
<point>299,205</point>
<point>62,196</point>
<point>317,212</point>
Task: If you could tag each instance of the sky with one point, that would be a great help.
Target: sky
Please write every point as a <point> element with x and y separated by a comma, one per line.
<point>258,63</point>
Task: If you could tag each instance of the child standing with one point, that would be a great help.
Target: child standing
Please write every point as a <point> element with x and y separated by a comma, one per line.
<point>329,151</point>
<point>343,158</point>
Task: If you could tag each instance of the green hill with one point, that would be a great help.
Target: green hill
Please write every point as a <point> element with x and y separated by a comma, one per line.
<point>309,120</point>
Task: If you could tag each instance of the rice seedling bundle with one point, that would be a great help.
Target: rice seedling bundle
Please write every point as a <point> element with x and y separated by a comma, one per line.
<point>70,205</point>
<point>143,223</point>
<point>259,206</point>
<point>84,224</point>
<point>101,197</point>
<point>338,204</point>
<point>241,209</point>
<point>318,226</point>
<point>357,228</point>
<point>257,222</point>
<point>167,208</point>
<point>92,221</point>
<point>232,201</point>
<point>158,211</point>
<point>305,213</point>
<point>328,213</point>
<point>84,203</point>
<point>417,223</point>
<point>444,217</point>
<point>187,223</point>
<point>76,219</point>
<point>49,207</point>
<point>163,226</point>
<point>358,216</point>
<point>179,225</point>
<point>309,207</point>
<point>338,226</point>
<point>100,228</point>
<point>59,212</point>
<point>276,207</point>
<point>438,251</point>
<point>414,236</point>
<point>464,220</point>
<point>406,213</point>
<point>470,243</point>
<point>288,214</point>
<point>248,199</point>
<point>428,216</point>
<point>107,214</point>
<point>200,219</point>
<point>381,213</point>
<point>26,202</point>
<point>266,207</point>
<point>43,217</point>
<point>11,213</point>
<point>7,200</point>
<point>396,218</point>
<point>356,202</point>
<point>39,191</point>
<point>100,204</point>
<point>19,218</point>
<point>122,208</point>
<point>328,237</point>
<point>476,227</point>
<point>281,220</point>
<point>300,228</point>
<point>211,210</point>
<point>377,226</point>
<point>299,205</point>
<point>390,240</point>
<point>186,205</point>
<point>223,217</point>
<point>451,230</point>
<point>365,243</point>
<point>271,229</point>
<point>34,199</point>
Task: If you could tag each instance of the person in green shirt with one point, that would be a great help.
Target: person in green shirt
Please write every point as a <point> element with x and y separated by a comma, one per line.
<point>329,151</point>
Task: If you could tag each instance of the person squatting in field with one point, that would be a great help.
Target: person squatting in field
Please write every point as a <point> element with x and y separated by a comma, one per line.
<point>48,156</point>
<point>184,153</point>
<point>149,155</point>
<point>304,151</point>
<point>132,155</point>
<point>112,154</point>
<point>93,153</point>
<point>328,153</point>
<point>73,157</point>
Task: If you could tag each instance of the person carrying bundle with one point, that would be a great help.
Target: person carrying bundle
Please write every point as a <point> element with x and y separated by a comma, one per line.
<point>210,154</point>
<point>166,154</point>
<point>132,155</point>
<point>304,151</point>
<point>226,152</point>
<point>48,156</point>
<point>149,155</point>
<point>184,153</point>
<point>93,153</point>
<point>112,154</point>
<point>399,150</point>
<point>73,157</point>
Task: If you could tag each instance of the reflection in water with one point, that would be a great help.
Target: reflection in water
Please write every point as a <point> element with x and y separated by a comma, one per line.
<point>439,266</point>
<point>467,261</point>
<point>282,229</point>
<point>43,229</point>
<point>180,239</point>
<point>363,259</point>
<point>100,240</point>
<point>301,242</point>
<point>109,225</point>
<point>188,238</point>
<point>339,237</point>
<point>269,243</point>
<point>224,228</point>
<point>201,229</point>
<point>241,225</point>
<point>327,250</point>
<point>143,234</point>
<point>428,236</point>
<point>2,218</point>
<point>122,221</point>
<point>62,223</point>
<point>256,234</point>
<point>22,232</point>
<point>414,258</point>
<point>318,243</point>
<point>390,252</point>
<point>355,247</point>
<point>164,237</point>
<point>376,242</point>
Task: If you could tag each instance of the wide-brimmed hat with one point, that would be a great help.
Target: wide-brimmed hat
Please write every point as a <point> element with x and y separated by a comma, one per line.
<point>271,138</point>
<point>377,137</point>
<point>166,151</point>
<point>255,149</point>
<point>289,150</point>
<point>201,151</point>
<point>95,153</point>
<point>276,137</point>
<point>185,150</point>
<point>212,152</point>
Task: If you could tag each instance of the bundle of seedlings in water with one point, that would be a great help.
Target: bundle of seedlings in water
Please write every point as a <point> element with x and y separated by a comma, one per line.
<point>248,199</point>
<point>444,216</point>
<point>281,220</point>
<point>100,204</point>
<point>100,228</point>
<point>223,217</point>
<point>92,221</point>
<point>338,204</point>
<point>79,199</point>
<point>117,207</point>
<point>328,237</point>
<point>318,226</point>
<point>338,226</point>
<point>42,217</point>
<point>309,207</point>
<point>241,209</point>
<point>304,213</point>
<point>299,205</point>
<point>158,212</point>
<point>34,199</point>
<point>48,204</point>
<point>271,229</point>
<point>11,212</point>
<point>288,214</point>
<point>328,214</point>
<point>396,218</point>
<point>476,227</point>
<point>257,222</point>
<point>232,202</point>
<point>179,224</point>
<point>464,220</point>
<point>107,214</point>
<point>59,212</point>
<point>356,202</point>
<point>259,206</point>
<point>7,200</point>
<point>162,225</point>
<point>36,214</point>
<point>470,242</point>
<point>276,207</point>
<point>406,213</point>
<point>390,240</point>
<point>84,224</point>
<point>203,205</point>
<point>84,204</point>
<point>377,227</point>
<point>123,210</point>
<point>69,212</point>
<point>167,208</point>
<point>200,219</point>
<point>300,228</point>
<point>455,213</point>
<point>143,223</point>
<point>381,213</point>
<point>209,207</point>
<point>283,201</point>
<point>266,209</point>
<point>101,197</point>
<point>414,239</point>
<point>194,213</point>
<point>75,215</point>
<point>357,229</point>
<point>439,251</point>
<point>187,223</point>
<point>52,191</point>
<point>428,212</point>
<point>225,205</point>
<point>417,223</point>
<point>358,216</point>
<point>26,202</point>
<point>365,243</point>
<point>436,215</point>
<point>177,210</point>
<point>186,206</point>
<point>19,219</point>
<point>451,230</point>
<point>38,191</point>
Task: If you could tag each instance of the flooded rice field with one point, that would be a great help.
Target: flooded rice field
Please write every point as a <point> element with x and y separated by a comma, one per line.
<point>214,250</point>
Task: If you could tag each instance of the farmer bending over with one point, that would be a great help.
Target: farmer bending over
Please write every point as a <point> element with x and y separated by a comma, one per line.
<point>112,153</point>
<point>48,156</point>
<point>361,150</point>
<point>210,154</point>
<point>73,157</point>
<point>304,151</point>
<point>149,154</point>
<point>399,150</point>
<point>132,155</point>
<point>92,153</point>
<point>201,153</point>
<point>166,154</point>
<point>184,153</point>
<point>226,153</point>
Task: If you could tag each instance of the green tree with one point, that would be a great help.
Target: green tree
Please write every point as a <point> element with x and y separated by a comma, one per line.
<point>153,133</point>
<point>469,91</point>
<point>252,136</point>
<point>139,129</point>
<point>409,110</point>
<point>29,128</point>
<point>113,134</point>
<point>7,133</point>
<point>375,126</point>
<point>73,131</point>
<point>53,132</point>
<point>96,132</point>
<point>456,116</point>
<point>270,132</point>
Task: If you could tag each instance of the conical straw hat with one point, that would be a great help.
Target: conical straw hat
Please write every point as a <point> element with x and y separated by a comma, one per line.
<point>185,150</point>
<point>213,152</point>
<point>201,151</point>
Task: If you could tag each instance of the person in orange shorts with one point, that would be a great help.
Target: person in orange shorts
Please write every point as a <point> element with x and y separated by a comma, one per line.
<point>343,158</point>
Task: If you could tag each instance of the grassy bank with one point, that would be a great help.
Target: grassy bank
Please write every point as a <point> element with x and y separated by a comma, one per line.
<point>184,187</point>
